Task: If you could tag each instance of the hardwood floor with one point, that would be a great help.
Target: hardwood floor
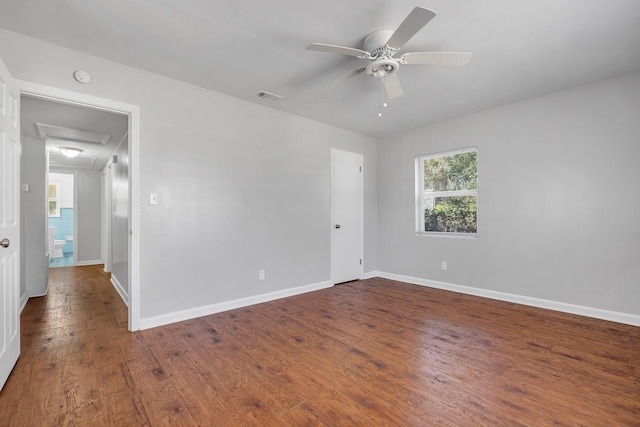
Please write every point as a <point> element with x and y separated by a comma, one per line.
<point>373,352</point>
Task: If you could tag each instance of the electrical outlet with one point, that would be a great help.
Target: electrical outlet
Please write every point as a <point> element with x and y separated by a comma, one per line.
<point>444,265</point>
<point>261,275</point>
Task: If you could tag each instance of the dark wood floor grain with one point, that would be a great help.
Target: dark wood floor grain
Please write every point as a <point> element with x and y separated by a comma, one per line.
<point>372,353</point>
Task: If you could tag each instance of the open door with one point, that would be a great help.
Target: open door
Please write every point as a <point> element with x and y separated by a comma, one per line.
<point>9,225</point>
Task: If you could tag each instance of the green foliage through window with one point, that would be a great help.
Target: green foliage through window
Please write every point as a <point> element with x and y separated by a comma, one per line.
<point>450,191</point>
<point>450,173</point>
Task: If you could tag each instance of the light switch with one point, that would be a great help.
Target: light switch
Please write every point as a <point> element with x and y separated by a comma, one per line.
<point>153,198</point>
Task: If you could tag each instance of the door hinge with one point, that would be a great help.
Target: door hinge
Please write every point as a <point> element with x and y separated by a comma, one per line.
<point>360,261</point>
<point>360,168</point>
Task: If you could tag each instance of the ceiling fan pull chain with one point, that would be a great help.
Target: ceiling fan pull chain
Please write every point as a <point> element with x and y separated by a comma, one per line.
<point>380,99</point>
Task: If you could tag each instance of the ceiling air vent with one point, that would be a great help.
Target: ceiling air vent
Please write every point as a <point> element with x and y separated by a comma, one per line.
<point>70,134</point>
<point>269,96</point>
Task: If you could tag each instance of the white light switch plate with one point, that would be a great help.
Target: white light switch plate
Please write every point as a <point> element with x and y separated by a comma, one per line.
<point>153,198</point>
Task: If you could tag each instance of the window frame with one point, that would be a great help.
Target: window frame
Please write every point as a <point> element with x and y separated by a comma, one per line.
<point>420,193</point>
<point>55,199</point>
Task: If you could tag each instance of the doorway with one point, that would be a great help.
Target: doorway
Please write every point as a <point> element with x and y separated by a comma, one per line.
<point>62,218</point>
<point>129,278</point>
<point>66,150</point>
<point>347,208</point>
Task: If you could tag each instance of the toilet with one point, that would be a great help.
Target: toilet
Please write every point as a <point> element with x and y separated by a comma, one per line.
<point>55,246</point>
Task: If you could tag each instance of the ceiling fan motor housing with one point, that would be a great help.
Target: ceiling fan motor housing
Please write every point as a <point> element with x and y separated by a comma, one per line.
<point>376,43</point>
<point>383,63</point>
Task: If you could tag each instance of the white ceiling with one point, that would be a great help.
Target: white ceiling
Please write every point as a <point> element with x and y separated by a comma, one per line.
<point>521,49</point>
<point>94,156</point>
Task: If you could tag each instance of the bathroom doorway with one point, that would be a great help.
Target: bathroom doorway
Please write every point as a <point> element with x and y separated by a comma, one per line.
<point>62,217</point>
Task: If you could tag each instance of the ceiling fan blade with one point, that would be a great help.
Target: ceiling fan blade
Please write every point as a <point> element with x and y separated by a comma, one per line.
<point>342,79</point>
<point>392,86</point>
<point>340,50</point>
<point>436,58</point>
<point>418,18</point>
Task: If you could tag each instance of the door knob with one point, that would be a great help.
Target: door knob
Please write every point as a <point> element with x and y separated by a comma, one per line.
<point>338,226</point>
<point>5,243</point>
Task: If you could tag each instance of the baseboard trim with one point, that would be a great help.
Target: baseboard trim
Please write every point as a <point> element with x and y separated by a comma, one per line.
<point>90,262</point>
<point>369,275</point>
<point>23,301</point>
<point>597,313</point>
<point>120,289</point>
<point>179,316</point>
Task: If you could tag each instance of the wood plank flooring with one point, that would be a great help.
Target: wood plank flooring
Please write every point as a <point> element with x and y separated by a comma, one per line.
<point>372,353</point>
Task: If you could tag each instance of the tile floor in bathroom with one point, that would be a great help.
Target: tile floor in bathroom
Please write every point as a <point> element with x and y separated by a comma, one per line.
<point>65,261</point>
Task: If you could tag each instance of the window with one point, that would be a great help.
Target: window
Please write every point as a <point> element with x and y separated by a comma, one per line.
<point>54,200</point>
<point>447,192</point>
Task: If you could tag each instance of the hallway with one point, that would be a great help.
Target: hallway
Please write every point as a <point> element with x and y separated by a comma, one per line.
<point>67,371</point>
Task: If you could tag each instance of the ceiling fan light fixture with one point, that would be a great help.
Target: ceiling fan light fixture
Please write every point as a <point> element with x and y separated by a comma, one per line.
<point>70,152</point>
<point>381,68</point>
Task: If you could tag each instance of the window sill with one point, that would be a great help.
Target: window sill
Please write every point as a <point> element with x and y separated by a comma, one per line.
<point>449,235</point>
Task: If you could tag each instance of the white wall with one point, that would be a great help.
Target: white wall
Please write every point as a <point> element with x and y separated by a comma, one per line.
<point>88,241</point>
<point>241,187</point>
<point>558,199</point>
<point>33,212</point>
<point>120,218</point>
<point>106,218</point>
<point>65,181</point>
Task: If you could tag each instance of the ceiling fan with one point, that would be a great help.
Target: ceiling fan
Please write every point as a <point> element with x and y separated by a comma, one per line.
<point>381,46</point>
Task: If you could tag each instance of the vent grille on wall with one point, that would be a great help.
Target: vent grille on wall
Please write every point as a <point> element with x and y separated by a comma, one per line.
<point>269,96</point>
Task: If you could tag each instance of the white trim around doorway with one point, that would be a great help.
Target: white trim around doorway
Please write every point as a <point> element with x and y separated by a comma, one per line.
<point>133,111</point>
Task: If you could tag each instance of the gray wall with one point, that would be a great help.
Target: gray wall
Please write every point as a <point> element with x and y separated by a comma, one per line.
<point>558,199</point>
<point>88,242</point>
<point>120,217</point>
<point>241,187</point>
<point>33,265</point>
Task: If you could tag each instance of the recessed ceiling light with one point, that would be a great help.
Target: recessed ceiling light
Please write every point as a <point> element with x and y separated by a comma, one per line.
<point>70,152</point>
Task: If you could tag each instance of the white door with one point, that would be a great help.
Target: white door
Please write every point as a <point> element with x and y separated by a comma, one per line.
<point>348,223</point>
<point>9,225</point>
